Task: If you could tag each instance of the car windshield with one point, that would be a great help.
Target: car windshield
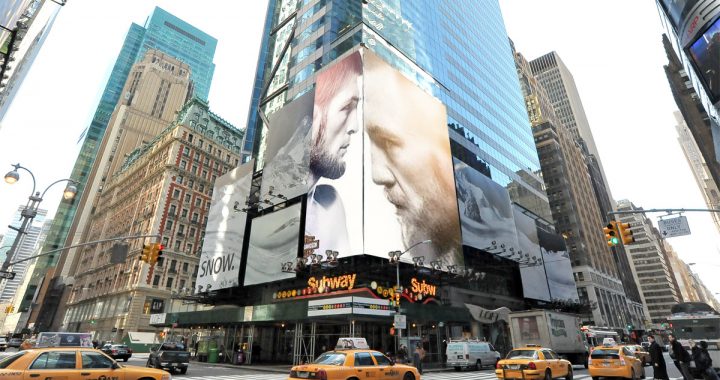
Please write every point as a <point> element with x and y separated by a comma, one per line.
<point>6,361</point>
<point>120,346</point>
<point>172,347</point>
<point>604,353</point>
<point>331,358</point>
<point>521,354</point>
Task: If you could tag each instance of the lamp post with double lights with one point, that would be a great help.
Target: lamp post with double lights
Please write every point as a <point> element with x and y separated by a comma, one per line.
<point>395,259</point>
<point>30,211</point>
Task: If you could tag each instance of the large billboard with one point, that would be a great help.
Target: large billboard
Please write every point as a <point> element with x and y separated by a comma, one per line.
<point>705,55</point>
<point>287,156</point>
<point>557,267</point>
<point>532,272</point>
<point>409,186</point>
<point>486,213</point>
<point>225,231</point>
<point>335,196</point>
<point>274,240</point>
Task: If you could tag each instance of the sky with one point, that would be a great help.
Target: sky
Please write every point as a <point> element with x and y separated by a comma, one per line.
<point>613,48</point>
<point>614,51</point>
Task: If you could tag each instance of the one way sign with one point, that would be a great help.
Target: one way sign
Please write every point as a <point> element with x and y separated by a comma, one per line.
<point>7,275</point>
<point>674,227</point>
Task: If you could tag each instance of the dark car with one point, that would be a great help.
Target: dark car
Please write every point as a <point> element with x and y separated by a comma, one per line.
<point>15,342</point>
<point>170,356</point>
<point>117,351</point>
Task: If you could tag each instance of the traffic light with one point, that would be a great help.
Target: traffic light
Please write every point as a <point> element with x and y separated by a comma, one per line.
<point>611,233</point>
<point>155,253</point>
<point>625,233</point>
<point>146,253</point>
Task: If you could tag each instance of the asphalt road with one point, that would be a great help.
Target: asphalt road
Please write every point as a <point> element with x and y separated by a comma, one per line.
<point>203,371</point>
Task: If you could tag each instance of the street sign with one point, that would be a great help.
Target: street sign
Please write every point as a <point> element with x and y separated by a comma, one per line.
<point>674,227</point>
<point>400,321</point>
<point>7,275</point>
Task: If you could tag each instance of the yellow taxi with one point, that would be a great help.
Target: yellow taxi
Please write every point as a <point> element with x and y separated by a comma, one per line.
<point>342,364</point>
<point>611,360</point>
<point>533,362</point>
<point>639,352</point>
<point>71,363</point>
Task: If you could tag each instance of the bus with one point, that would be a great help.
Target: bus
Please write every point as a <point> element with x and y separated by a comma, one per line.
<point>697,321</point>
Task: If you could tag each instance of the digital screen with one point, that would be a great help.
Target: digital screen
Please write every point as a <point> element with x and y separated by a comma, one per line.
<point>705,54</point>
<point>532,272</point>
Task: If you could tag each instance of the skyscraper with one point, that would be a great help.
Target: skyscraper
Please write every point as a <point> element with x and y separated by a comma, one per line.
<point>165,33</point>
<point>651,266</point>
<point>699,167</point>
<point>576,213</point>
<point>25,25</point>
<point>385,131</point>
<point>24,250</point>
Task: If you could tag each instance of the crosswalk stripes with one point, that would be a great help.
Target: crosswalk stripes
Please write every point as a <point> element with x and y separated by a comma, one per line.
<point>254,376</point>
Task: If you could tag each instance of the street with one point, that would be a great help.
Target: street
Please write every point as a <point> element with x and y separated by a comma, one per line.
<point>204,371</point>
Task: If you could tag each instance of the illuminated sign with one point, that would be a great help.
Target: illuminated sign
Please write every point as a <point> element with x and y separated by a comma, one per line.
<point>346,281</point>
<point>349,305</point>
<point>422,287</point>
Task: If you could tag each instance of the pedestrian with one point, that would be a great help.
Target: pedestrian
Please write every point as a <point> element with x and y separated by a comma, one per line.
<point>680,357</point>
<point>703,362</point>
<point>657,359</point>
<point>402,354</point>
<point>418,357</point>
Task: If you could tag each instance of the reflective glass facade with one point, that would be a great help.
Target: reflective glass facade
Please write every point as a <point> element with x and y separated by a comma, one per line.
<point>458,50</point>
<point>166,33</point>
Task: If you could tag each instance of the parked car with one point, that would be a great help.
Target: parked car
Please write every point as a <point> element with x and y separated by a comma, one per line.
<point>470,354</point>
<point>117,351</point>
<point>15,342</point>
<point>172,356</point>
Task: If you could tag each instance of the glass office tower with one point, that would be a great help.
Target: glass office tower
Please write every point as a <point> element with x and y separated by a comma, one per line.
<point>164,32</point>
<point>457,50</point>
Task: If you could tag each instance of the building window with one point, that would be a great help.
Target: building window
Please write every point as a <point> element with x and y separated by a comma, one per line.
<point>201,188</point>
<point>198,202</point>
<point>183,164</point>
<point>166,241</point>
<point>182,284</point>
<point>205,174</point>
<point>187,198</point>
<point>192,232</point>
<point>194,169</point>
<point>173,208</point>
<point>176,194</point>
<point>173,264</point>
<point>191,184</point>
<point>186,151</point>
<point>185,267</point>
<point>184,213</point>
<point>181,229</point>
<point>180,179</point>
<point>169,282</point>
<point>195,215</point>
<point>190,137</point>
<point>168,225</point>
<point>188,248</point>
<point>177,246</point>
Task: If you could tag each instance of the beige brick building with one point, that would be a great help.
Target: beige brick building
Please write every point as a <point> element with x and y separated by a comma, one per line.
<point>163,188</point>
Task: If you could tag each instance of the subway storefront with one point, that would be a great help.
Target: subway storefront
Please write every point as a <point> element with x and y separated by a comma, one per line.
<point>301,322</point>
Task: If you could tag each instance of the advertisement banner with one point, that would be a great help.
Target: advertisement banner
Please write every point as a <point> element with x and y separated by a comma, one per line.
<point>287,155</point>
<point>532,272</point>
<point>557,267</point>
<point>335,196</point>
<point>705,55</point>
<point>486,213</point>
<point>219,265</point>
<point>409,186</point>
<point>274,239</point>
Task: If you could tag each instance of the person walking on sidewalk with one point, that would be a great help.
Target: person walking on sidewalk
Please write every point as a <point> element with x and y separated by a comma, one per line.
<point>703,362</point>
<point>657,359</point>
<point>680,357</point>
<point>418,357</point>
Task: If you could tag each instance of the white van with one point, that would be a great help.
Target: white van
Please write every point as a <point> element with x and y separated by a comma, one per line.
<point>470,353</point>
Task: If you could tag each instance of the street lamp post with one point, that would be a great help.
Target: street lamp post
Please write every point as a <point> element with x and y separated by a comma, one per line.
<point>30,211</point>
<point>395,257</point>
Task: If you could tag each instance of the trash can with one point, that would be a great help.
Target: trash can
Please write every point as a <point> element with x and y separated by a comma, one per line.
<point>212,355</point>
<point>240,357</point>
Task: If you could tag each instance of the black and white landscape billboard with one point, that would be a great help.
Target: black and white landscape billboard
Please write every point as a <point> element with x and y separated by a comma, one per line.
<point>219,265</point>
<point>287,155</point>
<point>532,273</point>
<point>486,214</point>
<point>558,267</point>
<point>274,240</point>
